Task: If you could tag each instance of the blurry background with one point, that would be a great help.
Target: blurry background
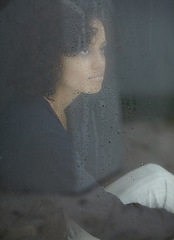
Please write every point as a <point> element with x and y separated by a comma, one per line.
<point>146,78</point>
<point>144,72</point>
<point>146,67</point>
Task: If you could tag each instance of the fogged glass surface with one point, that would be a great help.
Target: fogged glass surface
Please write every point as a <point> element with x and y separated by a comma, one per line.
<point>86,119</point>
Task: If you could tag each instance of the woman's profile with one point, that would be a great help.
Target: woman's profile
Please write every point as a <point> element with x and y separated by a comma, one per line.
<point>62,56</point>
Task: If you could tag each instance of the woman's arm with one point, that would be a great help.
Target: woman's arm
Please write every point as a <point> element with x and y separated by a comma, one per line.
<point>47,165</point>
<point>104,216</point>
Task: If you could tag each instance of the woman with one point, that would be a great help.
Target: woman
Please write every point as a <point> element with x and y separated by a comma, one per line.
<point>61,57</point>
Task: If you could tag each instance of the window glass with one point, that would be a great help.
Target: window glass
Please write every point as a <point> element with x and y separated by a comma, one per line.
<point>86,119</point>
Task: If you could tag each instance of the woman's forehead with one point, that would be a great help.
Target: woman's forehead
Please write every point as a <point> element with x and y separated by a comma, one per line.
<point>100,32</point>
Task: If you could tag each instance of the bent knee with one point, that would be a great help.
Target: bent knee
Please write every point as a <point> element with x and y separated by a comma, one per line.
<point>157,170</point>
<point>154,167</point>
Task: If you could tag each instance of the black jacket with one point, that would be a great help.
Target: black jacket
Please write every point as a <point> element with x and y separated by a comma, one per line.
<point>37,155</point>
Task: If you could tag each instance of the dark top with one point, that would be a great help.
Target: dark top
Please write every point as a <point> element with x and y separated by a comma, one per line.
<point>37,155</point>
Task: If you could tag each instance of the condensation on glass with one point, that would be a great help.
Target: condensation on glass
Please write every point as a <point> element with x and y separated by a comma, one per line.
<point>86,110</point>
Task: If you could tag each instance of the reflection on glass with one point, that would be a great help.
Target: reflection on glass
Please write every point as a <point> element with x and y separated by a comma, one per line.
<point>60,134</point>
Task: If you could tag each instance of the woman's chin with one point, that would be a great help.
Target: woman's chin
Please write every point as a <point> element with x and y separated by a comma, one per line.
<point>93,90</point>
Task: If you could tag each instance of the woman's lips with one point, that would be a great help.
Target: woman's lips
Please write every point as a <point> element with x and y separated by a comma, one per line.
<point>96,78</point>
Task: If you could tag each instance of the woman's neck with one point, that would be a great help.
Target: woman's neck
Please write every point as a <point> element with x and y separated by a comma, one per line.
<point>63,97</point>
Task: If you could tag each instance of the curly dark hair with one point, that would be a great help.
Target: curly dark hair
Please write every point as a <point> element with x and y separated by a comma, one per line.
<point>50,29</point>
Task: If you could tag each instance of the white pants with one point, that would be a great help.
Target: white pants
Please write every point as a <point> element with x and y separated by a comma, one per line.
<point>149,185</point>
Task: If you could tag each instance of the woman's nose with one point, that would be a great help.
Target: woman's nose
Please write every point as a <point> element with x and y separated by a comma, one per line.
<point>98,62</point>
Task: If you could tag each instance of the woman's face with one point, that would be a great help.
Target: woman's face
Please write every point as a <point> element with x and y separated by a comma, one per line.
<point>84,72</point>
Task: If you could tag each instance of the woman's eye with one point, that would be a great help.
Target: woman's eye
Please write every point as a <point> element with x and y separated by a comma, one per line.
<point>85,52</point>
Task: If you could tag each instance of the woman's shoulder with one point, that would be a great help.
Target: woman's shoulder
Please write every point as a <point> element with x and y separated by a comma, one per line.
<point>26,118</point>
<point>29,113</point>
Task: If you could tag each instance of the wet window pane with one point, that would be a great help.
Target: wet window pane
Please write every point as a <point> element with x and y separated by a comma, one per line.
<point>86,119</point>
